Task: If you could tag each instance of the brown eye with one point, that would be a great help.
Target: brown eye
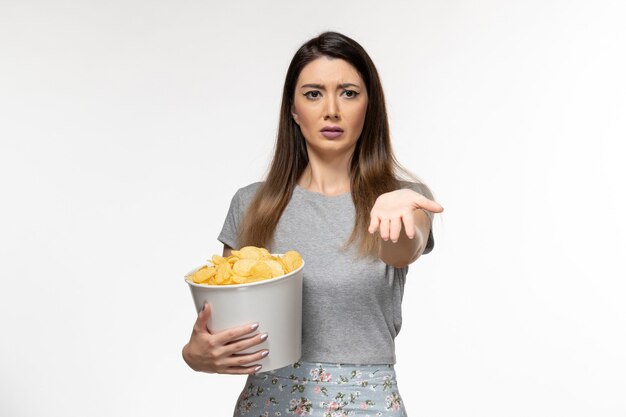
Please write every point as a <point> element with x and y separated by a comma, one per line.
<point>311,92</point>
<point>353,93</point>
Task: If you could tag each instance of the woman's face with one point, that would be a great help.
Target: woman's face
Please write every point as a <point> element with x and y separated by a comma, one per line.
<point>330,93</point>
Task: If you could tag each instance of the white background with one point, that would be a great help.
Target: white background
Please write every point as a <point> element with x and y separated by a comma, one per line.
<point>127,126</point>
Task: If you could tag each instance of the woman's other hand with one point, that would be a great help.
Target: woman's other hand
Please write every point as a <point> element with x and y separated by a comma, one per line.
<point>219,352</point>
<point>393,209</point>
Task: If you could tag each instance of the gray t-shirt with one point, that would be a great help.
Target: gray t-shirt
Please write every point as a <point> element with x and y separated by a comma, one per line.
<point>351,306</point>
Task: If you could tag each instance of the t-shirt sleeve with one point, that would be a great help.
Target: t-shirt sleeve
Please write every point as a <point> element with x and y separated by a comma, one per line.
<point>228,235</point>
<point>425,191</point>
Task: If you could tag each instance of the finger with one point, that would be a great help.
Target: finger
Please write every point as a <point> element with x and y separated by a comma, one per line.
<point>234,333</point>
<point>384,229</point>
<point>243,370</point>
<point>395,226</point>
<point>374,222</point>
<point>409,225</point>
<point>243,344</point>
<point>201,321</point>
<point>427,204</point>
<point>238,360</point>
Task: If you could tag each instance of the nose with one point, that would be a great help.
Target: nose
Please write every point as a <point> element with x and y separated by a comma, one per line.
<point>332,108</point>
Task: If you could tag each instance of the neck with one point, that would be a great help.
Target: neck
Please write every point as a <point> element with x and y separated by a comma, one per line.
<point>329,176</point>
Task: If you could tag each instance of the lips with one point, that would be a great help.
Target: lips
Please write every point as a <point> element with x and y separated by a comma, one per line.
<point>331,129</point>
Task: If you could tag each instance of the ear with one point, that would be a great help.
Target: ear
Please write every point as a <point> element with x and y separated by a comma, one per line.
<point>294,114</point>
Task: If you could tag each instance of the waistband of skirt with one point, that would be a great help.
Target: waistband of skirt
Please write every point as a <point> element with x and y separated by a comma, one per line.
<point>333,373</point>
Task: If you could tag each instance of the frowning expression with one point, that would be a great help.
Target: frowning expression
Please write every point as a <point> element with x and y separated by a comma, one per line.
<point>330,103</point>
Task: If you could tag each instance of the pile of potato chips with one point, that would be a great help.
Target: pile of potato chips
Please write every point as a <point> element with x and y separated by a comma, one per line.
<point>249,264</point>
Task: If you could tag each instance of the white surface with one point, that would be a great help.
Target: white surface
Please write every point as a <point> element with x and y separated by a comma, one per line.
<point>126,127</point>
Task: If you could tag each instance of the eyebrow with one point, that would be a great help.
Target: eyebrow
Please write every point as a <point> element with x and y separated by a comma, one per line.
<point>321,87</point>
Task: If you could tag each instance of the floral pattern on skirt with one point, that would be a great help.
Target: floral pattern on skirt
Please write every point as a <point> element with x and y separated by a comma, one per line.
<point>322,390</point>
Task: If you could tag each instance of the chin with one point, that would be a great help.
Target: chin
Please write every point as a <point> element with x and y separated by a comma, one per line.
<point>331,146</point>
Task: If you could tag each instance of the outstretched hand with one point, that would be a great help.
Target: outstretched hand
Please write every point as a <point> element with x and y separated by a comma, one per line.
<point>393,209</point>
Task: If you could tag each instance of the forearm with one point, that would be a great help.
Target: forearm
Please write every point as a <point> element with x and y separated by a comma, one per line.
<point>404,251</point>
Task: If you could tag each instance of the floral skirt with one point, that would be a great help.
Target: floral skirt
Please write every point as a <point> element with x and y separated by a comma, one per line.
<point>322,390</point>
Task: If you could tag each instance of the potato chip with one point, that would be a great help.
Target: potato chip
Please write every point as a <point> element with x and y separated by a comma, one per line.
<point>250,252</point>
<point>293,260</point>
<point>282,264</point>
<point>238,279</point>
<point>216,259</point>
<point>203,275</point>
<point>224,272</point>
<point>244,266</point>
<point>276,267</point>
<point>260,270</point>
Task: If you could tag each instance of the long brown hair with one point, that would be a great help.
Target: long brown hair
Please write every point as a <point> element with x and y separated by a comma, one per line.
<point>374,169</point>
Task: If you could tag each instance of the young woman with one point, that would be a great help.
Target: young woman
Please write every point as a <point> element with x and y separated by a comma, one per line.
<point>336,194</point>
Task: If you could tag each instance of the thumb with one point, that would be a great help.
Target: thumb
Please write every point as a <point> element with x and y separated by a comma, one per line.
<point>203,317</point>
<point>428,204</point>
